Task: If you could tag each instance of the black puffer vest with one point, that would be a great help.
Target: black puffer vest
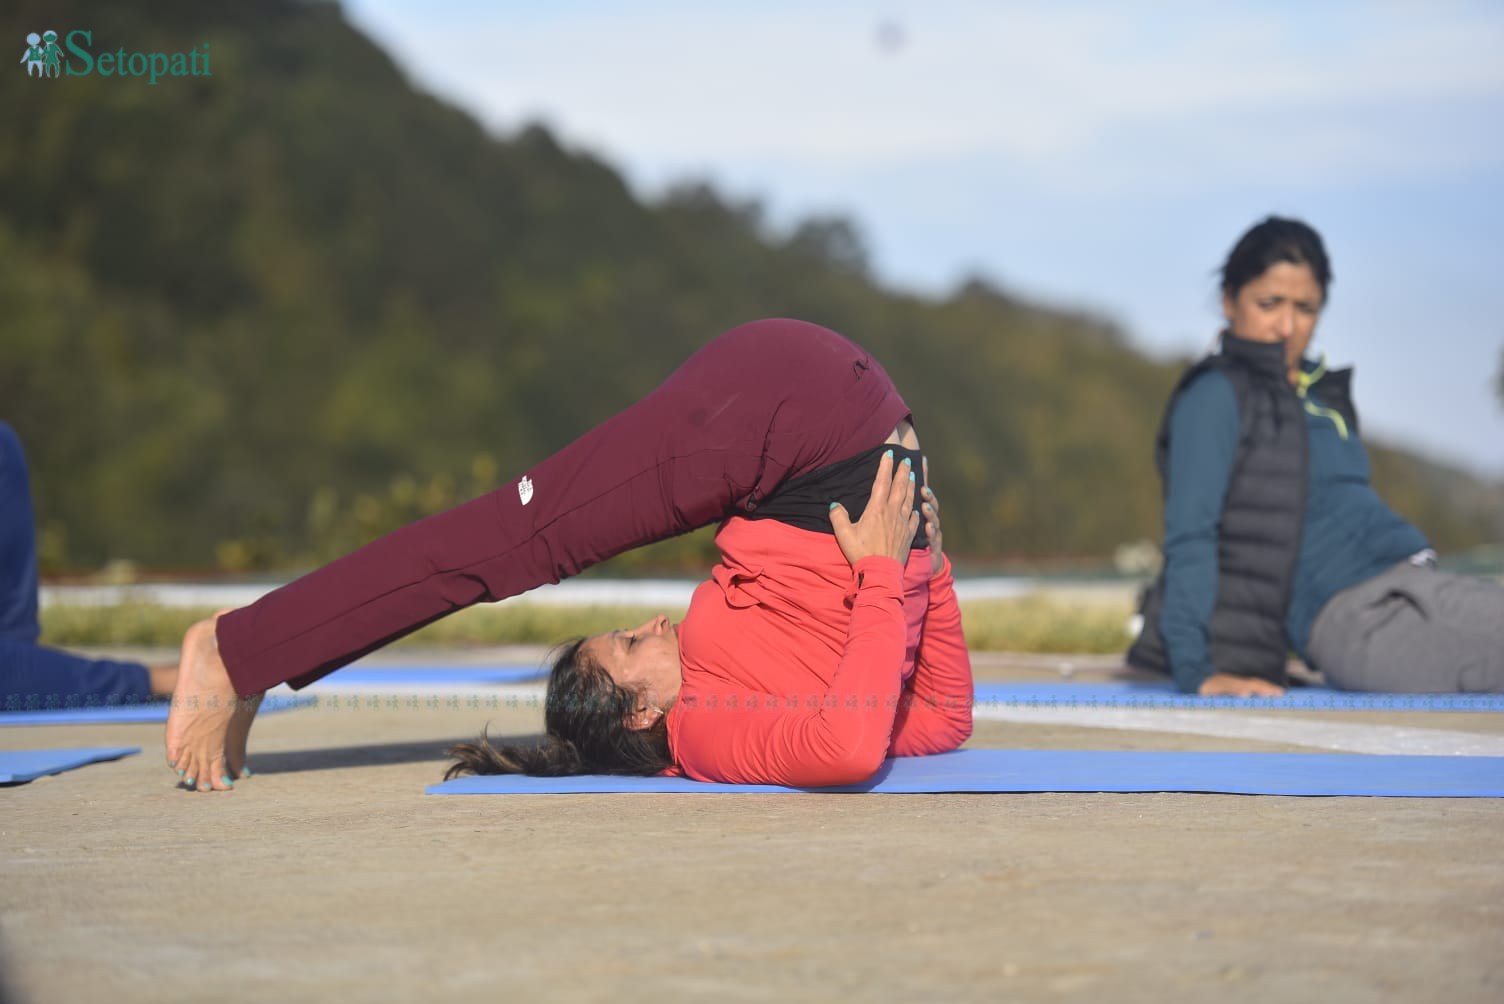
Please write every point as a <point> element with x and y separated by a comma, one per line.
<point>1258,540</point>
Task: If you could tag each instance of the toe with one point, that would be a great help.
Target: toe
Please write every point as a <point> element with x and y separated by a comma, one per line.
<point>195,773</point>
<point>219,774</point>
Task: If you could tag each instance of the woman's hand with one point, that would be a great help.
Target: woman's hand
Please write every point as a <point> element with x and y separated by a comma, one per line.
<point>1229,685</point>
<point>888,525</point>
<point>931,511</point>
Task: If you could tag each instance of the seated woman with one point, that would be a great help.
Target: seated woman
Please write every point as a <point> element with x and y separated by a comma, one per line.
<point>1274,538</point>
<point>827,638</point>
<point>33,676</point>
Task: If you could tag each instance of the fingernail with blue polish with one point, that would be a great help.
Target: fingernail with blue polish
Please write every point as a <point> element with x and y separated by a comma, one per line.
<point>888,455</point>
<point>227,780</point>
<point>245,772</point>
<point>833,505</point>
<point>190,782</point>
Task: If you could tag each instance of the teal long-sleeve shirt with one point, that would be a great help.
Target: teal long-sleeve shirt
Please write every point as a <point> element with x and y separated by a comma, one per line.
<point>1348,534</point>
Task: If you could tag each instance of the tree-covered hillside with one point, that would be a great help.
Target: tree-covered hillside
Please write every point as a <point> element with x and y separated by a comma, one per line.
<point>252,318</point>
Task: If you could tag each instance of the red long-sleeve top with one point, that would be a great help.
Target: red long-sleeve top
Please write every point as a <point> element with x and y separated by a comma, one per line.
<point>801,669</point>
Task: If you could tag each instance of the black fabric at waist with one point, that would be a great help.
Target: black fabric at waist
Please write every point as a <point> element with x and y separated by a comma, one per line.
<point>805,501</point>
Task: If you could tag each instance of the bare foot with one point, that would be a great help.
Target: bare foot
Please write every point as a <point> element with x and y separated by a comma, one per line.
<point>240,732</point>
<point>1231,685</point>
<point>208,724</point>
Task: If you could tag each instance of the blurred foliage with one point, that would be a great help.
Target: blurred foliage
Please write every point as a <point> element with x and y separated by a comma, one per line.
<point>1041,623</point>
<point>253,319</point>
<point>1032,623</point>
<point>130,624</point>
<point>148,625</point>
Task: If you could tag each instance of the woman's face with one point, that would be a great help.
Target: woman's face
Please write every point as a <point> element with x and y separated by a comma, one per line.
<point>644,660</point>
<point>1282,305</point>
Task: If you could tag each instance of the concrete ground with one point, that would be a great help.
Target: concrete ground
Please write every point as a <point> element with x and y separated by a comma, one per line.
<point>330,876</point>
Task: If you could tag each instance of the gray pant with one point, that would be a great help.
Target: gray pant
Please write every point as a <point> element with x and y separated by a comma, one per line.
<point>1414,630</point>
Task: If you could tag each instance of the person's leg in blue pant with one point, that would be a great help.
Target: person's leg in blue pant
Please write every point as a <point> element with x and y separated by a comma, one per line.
<point>33,676</point>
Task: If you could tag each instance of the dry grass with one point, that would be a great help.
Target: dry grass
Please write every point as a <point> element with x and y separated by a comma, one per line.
<point>1033,623</point>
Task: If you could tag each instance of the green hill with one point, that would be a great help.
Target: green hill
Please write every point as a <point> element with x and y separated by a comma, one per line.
<point>253,318</point>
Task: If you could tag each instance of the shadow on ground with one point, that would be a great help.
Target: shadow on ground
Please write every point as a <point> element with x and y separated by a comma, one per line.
<point>379,755</point>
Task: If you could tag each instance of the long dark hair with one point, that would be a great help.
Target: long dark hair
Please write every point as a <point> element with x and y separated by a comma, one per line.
<point>1270,242</point>
<point>585,716</point>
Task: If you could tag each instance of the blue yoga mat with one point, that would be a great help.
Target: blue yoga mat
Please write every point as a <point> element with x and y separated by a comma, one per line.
<point>131,713</point>
<point>20,766</point>
<point>990,770</point>
<point>1121,694</point>
<point>354,678</point>
<point>366,677</point>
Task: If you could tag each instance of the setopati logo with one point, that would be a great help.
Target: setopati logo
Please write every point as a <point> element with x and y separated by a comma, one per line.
<point>44,57</point>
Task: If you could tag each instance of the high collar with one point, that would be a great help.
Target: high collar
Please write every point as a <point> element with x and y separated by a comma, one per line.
<point>1265,358</point>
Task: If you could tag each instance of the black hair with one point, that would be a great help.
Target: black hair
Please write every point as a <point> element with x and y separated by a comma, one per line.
<point>585,716</point>
<point>1270,242</point>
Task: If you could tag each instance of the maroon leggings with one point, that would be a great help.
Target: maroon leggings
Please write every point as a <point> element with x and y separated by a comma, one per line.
<point>762,403</point>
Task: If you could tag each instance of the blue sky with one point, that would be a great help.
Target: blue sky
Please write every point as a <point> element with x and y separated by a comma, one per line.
<point>1087,154</point>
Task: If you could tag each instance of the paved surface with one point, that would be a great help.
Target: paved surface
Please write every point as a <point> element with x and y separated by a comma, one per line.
<point>330,876</point>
